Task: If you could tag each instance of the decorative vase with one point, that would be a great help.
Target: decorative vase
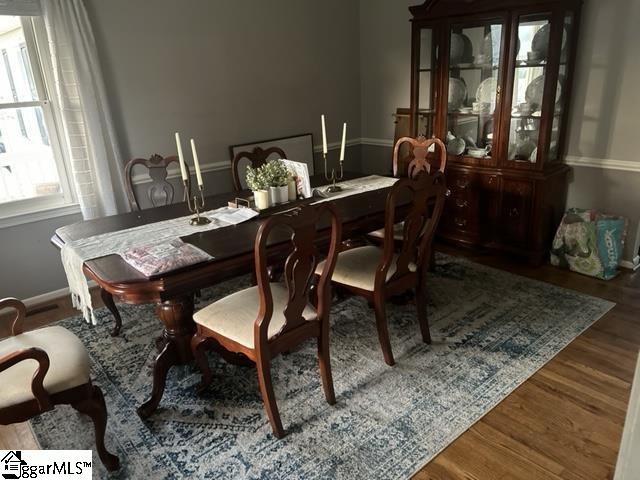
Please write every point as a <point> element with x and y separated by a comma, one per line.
<point>261,197</point>
<point>293,190</point>
<point>279,194</point>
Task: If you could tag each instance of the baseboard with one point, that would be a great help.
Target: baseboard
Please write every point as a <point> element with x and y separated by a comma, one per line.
<point>51,296</point>
<point>633,264</point>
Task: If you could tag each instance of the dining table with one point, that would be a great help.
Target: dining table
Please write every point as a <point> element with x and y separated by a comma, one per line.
<point>232,252</point>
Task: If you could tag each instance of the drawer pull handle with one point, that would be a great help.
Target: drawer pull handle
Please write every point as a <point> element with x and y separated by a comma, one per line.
<point>460,203</point>
<point>514,212</point>
<point>462,183</point>
<point>491,180</point>
<point>460,222</point>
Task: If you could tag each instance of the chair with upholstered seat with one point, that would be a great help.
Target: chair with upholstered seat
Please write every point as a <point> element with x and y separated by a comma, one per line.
<point>379,273</point>
<point>159,192</point>
<point>256,157</point>
<point>43,368</point>
<point>417,164</point>
<point>262,321</point>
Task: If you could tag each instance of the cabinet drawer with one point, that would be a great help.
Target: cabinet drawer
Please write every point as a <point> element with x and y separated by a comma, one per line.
<point>461,211</point>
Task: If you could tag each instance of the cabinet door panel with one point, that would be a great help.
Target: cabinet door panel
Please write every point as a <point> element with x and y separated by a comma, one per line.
<point>517,198</point>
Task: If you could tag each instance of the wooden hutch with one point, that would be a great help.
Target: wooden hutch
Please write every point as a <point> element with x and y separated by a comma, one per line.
<point>492,78</point>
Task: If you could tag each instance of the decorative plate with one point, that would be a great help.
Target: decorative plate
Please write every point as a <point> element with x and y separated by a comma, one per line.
<point>457,93</point>
<point>540,42</point>
<point>486,91</point>
<point>456,146</point>
<point>535,92</point>
<point>461,49</point>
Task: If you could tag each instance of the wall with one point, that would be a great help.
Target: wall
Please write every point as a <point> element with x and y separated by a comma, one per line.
<point>223,72</point>
<point>604,109</point>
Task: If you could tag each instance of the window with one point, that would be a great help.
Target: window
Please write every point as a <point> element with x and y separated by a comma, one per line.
<point>33,176</point>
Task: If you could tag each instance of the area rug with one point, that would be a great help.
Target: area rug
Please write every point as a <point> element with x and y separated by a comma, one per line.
<point>492,330</point>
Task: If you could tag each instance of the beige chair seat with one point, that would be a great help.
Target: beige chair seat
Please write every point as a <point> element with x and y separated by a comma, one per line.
<point>357,267</point>
<point>398,232</point>
<point>69,364</point>
<point>233,316</point>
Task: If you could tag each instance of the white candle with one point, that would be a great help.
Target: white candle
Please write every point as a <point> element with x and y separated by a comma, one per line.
<point>344,140</point>
<point>183,169</point>
<point>197,163</point>
<point>324,136</point>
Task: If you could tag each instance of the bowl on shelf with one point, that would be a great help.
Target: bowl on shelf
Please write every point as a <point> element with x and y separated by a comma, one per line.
<point>456,146</point>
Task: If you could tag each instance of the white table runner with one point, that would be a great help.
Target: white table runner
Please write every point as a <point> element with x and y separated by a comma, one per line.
<point>75,252</point>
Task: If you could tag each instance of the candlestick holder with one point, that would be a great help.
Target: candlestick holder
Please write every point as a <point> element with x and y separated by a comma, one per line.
<point>333,178</point>
<point>196,205</point>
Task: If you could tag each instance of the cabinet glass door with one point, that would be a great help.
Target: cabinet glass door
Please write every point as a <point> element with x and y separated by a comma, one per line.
<point>560,99</point>
<point>474,66</point>
<point>530,69</point>
<point>425,82</point>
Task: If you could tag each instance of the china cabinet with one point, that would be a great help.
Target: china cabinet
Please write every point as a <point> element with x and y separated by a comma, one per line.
<point>493,79</point>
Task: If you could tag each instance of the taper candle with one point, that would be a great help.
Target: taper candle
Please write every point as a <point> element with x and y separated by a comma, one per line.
<point>344,141</point>
<point>196,162</point>
<point>183,169</point>
<point>324,135</point>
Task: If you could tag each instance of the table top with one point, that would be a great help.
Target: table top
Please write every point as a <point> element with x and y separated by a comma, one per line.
<point>232,246</point>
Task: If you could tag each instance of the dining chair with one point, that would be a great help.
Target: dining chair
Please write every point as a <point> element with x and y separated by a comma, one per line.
<point>160,192</point>
<point>270,318</point>
<point>257,157</point>
<point>43,368</point>
<point>418,164</point>
<point>378,273</point>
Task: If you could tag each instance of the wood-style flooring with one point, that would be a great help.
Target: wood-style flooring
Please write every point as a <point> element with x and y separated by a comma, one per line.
<point>565,422</point>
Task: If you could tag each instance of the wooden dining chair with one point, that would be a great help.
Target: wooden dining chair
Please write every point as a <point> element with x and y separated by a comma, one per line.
<point>263,321</point>
<point>44,368</point>
<point>417,164</point>
<point>256,157</point>
<point>378,273</point>
<point>159,192</point>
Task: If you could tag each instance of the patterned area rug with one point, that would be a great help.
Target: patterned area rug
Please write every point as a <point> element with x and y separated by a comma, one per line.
<point>492,330</point>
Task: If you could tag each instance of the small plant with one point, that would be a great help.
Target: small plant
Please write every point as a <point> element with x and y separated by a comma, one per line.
<point>256,179</point>
<point>277,173</point>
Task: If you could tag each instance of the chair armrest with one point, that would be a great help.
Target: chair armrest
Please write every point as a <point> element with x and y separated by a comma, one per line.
<point>21,312</point>
<point>37,387</point>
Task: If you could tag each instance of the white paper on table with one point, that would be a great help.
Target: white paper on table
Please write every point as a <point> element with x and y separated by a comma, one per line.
<point>301,170</point>
<point>233,216</point>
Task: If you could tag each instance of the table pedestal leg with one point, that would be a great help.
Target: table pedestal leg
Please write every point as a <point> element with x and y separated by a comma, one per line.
<point>177,317</point>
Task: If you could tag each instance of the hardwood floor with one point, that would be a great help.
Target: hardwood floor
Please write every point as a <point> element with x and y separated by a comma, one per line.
<point>565,422</point>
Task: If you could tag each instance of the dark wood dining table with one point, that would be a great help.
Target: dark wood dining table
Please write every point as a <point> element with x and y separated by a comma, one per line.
<point>232,251</point>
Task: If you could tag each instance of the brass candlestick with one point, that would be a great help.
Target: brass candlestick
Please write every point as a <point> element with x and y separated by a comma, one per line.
<point>195,206</point>
<point>333,178</point>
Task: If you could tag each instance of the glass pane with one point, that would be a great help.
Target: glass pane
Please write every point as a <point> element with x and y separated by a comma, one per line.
<point>474,60</point>
<point>426,76</point>
<point>532,50</point>
<point>27,165</point>
<point>559,98</point>
<point>16,77</point>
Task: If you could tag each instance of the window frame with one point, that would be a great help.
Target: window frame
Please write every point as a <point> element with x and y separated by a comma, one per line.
<point>57,204</point>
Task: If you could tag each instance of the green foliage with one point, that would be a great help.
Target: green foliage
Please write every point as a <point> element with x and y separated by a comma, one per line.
<point>271,174</point>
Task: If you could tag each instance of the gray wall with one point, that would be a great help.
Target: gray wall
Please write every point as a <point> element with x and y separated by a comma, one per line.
<point>603,122</point>
<point>223,72</point>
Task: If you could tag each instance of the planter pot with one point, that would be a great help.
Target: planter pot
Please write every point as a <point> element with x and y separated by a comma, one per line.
<point>293,191</point>
<point>279,194</point>
<point>261,197</point>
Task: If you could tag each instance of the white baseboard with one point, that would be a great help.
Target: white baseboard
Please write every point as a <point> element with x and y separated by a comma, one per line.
<point>633,264</point>
<point>628,465</point>
<point>51,296</point>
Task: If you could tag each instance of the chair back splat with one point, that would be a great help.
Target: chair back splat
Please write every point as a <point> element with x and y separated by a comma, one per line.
<point>299,266</point>
<point>417,160</point>
<point>160,191</point>
<point>257,157</point>
<point>426,201</point>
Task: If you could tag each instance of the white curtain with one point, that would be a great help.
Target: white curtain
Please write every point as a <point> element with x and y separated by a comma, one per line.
<point>96,162</point>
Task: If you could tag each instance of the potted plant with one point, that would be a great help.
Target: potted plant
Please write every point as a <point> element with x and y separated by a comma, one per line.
<point>278,178</point>
<point>258,182</point>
